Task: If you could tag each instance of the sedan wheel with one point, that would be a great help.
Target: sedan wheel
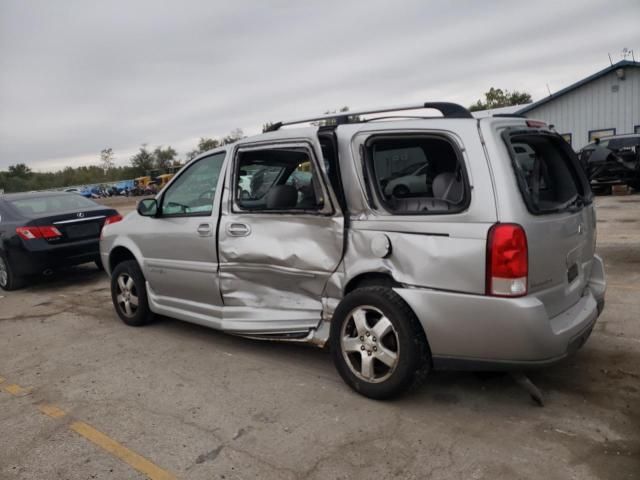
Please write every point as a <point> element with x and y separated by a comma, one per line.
<point>8,279</point>
<point>4,274</point>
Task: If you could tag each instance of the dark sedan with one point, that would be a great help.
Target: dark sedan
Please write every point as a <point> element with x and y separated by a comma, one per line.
<point>40,232</point>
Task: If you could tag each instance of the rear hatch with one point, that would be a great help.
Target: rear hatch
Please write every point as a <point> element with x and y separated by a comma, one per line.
<point>560,221</point>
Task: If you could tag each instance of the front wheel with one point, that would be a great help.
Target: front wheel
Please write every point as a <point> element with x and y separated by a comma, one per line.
<point>377,343</point>
<point>635,184</point>
<point>400,191</point>
<point>129,294</point>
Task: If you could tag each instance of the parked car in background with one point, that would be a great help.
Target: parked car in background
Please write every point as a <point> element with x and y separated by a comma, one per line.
<point>40,232</point>
<point>489,264</point>
<point>415,181</point>
<point>613,160</point>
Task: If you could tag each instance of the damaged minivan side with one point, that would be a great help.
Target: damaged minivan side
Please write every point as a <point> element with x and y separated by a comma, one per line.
<point>404,244</point>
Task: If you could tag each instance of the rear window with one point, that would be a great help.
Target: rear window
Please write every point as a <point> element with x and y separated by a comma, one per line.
<point>51,204</point>
<point>417,175</point>
<point>620,143</point>
<point>548,175</point>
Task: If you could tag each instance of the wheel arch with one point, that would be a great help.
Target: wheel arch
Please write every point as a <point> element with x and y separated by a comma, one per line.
<point>383,279</point>
<point>121,254</point>
<point>371,279</point>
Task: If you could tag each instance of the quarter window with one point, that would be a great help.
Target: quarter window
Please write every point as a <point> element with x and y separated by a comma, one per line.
<point>417,175</point>
<point>193,191</point>
<point>277,179</point>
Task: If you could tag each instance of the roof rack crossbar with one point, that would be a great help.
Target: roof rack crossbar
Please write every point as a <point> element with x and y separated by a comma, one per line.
<point>448,110</point>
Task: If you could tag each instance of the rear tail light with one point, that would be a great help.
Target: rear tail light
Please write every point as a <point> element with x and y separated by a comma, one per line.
<point>112,219</point>
<point>507,261</point>
<point>31,233</point>
<point>109,220</point>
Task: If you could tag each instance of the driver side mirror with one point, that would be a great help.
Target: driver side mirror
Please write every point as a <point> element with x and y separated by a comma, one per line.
<point>148,207</point>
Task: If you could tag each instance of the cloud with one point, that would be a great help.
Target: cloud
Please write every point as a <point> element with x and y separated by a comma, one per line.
<point>78,76</point>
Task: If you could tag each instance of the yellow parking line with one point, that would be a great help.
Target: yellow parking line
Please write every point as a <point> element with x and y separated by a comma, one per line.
<point>51,410</point>
<point>105,442</point>
<point>123,453</point>
<point>15,390</point>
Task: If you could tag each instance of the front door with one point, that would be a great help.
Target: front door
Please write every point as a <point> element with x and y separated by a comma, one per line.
<point>179,244</point>
<point>280,238</point>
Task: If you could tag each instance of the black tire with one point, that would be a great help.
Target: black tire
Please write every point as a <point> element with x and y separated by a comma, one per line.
<point>140,315</point>
<point>635,184</point>
<point>99,264</point>
<point>400,191</point>
<point>413,358</point>
<point>8,279</point>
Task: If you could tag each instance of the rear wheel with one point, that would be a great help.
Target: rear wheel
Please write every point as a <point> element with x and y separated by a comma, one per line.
<point>635,184</point>
<point>99,264</point>
<point>129,294</point>
<point>8,279</point>
<point>377,343</point>
<point>400,191</point>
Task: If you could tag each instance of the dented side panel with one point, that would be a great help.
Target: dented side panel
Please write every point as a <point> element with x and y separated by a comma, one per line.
<point>284,261</point>
<point>444,252</point>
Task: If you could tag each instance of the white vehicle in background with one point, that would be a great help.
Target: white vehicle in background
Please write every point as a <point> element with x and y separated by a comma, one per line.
<point>414,182</point>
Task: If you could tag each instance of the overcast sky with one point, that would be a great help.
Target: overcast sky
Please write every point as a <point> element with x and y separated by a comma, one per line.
<point>78,76</point>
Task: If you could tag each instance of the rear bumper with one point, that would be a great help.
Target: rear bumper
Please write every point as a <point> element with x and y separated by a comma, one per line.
<point>24,262</point>
<point>486,333</point>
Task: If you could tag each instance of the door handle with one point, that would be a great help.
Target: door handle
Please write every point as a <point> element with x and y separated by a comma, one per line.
<point>204,230</point>
<point>238,229</point>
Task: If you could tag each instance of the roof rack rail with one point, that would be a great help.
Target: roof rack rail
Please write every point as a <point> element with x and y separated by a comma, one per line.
<point>448,110</point>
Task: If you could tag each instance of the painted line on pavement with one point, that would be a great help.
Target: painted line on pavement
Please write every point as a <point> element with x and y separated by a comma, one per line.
<point>16,390</point>
<point>51,410</point>
<point>138,462</point>
<point>123,453</point>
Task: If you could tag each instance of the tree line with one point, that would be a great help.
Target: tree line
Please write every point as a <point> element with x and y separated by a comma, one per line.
<point>20,178</point>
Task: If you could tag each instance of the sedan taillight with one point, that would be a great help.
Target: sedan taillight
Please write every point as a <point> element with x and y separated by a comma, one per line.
<point>112,219</point>
<point>31,233</point>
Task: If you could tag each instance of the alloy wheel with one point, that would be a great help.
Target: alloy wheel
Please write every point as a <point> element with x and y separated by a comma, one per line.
<point>127,295</point>
<point>370,344</point>
<point>4,274</point>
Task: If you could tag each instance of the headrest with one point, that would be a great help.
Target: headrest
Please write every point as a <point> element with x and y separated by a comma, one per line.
<point>447,187</point>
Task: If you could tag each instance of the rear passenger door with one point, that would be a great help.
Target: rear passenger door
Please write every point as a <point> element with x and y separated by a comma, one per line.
<point>280,238</point>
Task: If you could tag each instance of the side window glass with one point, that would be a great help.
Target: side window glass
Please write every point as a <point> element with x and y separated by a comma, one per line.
<point>193,191</point>
<point>417,174</point>
<point>277,179</point>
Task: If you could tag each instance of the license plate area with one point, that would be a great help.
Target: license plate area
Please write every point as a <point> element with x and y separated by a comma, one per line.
<point>572,273</point>
<point>82,230</point>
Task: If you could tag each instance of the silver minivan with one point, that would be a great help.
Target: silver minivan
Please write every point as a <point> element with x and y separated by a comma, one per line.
<point>486,261</point>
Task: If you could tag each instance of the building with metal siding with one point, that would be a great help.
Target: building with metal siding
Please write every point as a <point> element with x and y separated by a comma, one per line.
<point>606,103</point>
